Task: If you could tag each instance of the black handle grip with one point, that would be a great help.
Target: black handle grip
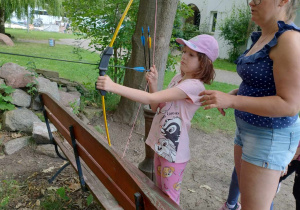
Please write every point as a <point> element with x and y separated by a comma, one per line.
<point>106,54</point>
<point>102,92</point>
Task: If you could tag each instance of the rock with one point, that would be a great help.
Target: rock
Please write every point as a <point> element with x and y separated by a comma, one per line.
<point>2,81</point>
<point>49,150</point>
<point>83,118</point>
<point>45,85</point>
<point>36,103</point>
<point>71,88</point>
<point>48,73</point>
<point>75,93</point>
<point>63,89</point>
<point>21,98</point>
<point>6,40</point>
<point>19,120</point>
<point>15,76</point>
<point>90,113</point>
<point>40,132</point>
<point>15,145</point>
<point>66,99</point>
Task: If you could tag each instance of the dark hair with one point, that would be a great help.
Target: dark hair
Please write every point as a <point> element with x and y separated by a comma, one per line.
<point>292,7</point>
<point>206,72</point>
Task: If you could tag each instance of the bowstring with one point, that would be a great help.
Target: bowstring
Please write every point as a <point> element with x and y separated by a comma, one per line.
<point>131,131</point>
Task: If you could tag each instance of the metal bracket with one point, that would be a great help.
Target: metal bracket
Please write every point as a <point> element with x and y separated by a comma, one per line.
<point>74,144</point>
<point>139,204</point>
<point>49,129</point>
<point>58,172</point>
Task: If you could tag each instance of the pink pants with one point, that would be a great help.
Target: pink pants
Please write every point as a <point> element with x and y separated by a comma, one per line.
<point>169,176</point>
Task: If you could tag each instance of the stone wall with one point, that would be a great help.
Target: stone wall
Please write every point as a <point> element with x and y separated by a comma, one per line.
<point>24,118</point>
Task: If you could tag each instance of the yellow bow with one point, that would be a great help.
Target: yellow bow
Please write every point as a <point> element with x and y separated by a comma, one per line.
<point>104,64</point>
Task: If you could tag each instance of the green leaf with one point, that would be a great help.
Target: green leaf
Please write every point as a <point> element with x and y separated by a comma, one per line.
<point>6,106</point>
<point>4,201</point>
<point>89,199</point>
<point>7,98</point>
<point>7,89</point>
<point>62,193</point>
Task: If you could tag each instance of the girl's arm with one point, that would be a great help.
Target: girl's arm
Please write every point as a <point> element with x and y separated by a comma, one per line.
<point>286,68</point>
<point>172,94</point>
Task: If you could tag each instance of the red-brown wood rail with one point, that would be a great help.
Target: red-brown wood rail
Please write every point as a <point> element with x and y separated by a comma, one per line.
<point>119,176</point>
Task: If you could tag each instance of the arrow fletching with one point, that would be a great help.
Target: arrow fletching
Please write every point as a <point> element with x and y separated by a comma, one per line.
<point>140,69</point>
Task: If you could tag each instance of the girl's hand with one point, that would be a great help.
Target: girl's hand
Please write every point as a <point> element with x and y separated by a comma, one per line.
<point>152,76</point>
<point>216,99</point>
<point>105,83</point>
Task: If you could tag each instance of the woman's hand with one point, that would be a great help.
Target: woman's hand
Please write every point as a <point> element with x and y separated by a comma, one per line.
<point>152,76</point>
<point>232,92</point>
<point>216,99</point>
<point>105,83</point>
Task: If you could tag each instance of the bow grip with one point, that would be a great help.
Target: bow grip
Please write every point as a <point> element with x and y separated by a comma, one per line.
<point>103,66</point>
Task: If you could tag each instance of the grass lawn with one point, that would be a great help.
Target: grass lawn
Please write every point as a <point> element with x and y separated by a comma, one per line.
<point>38,35</point>
<point>76,72</point>
<point>224,65</point>
<point>211,120</point>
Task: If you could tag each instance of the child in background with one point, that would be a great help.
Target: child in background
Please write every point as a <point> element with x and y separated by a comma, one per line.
<point>175,108</point>
<point>234,192</point>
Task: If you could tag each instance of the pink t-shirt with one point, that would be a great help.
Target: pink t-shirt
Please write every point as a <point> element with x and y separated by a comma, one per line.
<point>168,135</point>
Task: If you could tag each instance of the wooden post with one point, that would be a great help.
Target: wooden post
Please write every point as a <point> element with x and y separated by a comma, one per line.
<point>146,166</point>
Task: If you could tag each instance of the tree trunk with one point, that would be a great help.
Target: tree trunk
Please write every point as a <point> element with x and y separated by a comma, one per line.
<point>127,109</point>
<point>2,20</point>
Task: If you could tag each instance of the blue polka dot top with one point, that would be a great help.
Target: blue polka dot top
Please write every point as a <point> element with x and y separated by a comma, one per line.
<point>256,72</point>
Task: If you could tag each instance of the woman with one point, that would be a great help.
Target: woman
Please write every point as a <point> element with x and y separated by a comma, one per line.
<point>267,102</point>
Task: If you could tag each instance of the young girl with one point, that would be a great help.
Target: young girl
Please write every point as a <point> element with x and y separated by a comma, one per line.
<point>175,107</point>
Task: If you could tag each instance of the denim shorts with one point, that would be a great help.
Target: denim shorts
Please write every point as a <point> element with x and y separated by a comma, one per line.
<point>267,147</point>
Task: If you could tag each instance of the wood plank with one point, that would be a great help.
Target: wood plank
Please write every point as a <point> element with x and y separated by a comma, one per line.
<point>96,187</point>
<point>118,175</point>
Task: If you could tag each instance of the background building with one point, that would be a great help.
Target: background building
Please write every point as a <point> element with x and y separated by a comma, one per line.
<point>209,13</point>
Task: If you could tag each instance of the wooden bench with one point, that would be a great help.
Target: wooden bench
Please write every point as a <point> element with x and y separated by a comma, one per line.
<point>115,182</point>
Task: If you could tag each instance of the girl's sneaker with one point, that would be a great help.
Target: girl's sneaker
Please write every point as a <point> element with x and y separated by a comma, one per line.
<point>236,207</point>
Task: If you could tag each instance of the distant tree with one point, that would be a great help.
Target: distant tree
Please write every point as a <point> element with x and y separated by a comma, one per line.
<point>21,8</point>
<point>97,20</point>
<point>235,30</point>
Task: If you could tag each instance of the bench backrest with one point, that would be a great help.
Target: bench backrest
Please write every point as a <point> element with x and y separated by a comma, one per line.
<point>119,176</point>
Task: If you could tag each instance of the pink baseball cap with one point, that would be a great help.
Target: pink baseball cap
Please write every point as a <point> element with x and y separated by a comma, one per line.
<point>204,44</point>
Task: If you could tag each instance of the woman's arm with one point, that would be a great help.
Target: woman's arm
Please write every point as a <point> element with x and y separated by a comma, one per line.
<point>286,69</point>
<point>172,94</point>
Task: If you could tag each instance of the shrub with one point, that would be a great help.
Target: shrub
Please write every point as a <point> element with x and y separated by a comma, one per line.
<point>235,30</point>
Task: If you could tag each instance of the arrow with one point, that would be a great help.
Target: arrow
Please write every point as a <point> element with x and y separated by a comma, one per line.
<point>140,68</point>
<point>149,46</point>
<point>144,44</point>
